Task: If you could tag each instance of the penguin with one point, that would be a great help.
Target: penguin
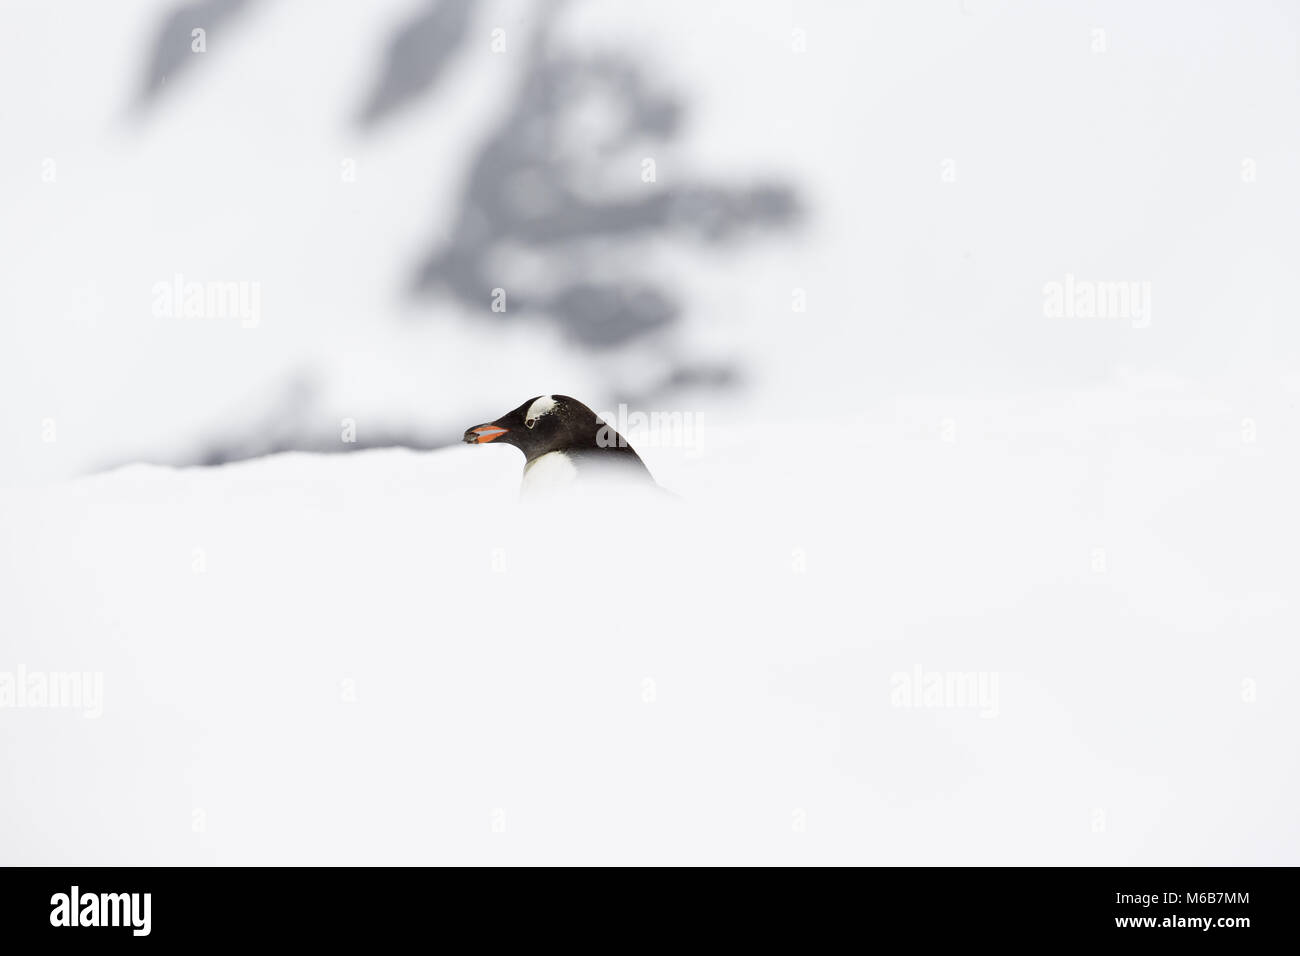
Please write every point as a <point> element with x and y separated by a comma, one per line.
<point>565,445</point>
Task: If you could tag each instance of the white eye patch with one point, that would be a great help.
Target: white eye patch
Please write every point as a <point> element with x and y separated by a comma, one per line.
<point>543,406</point>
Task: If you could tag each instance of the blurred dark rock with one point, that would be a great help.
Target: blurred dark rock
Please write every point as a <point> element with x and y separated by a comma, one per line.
<point>416,57</point>
<point>172,46</point>
<point>524,191</point>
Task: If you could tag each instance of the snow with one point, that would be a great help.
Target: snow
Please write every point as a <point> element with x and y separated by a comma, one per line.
<point>385,657</point>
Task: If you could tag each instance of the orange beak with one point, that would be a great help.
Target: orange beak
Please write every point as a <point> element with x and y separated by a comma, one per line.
<point>483,434</point>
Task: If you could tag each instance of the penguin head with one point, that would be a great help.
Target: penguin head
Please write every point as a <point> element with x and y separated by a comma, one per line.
<point>542,424</point>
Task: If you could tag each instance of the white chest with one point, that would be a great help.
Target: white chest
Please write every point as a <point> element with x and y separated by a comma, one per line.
<point>551,472</point>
